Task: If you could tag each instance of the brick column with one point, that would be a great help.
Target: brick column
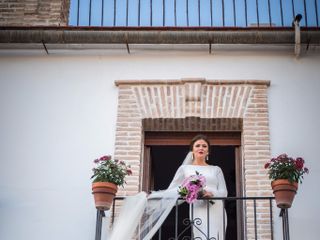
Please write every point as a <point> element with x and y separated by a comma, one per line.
<point>256,151</point>
<point>129,137</point>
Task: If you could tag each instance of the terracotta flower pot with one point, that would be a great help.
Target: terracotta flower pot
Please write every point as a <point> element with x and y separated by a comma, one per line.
<point>284,192</point>
<point>104,193</point>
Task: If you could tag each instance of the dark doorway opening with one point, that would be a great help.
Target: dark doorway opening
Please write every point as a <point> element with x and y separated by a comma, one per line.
<point>165,160</point>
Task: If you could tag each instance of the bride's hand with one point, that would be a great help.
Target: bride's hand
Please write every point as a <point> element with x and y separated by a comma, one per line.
<point>207,194</point>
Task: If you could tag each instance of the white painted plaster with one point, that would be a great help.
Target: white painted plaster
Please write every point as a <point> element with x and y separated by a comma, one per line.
<point>58,113</point>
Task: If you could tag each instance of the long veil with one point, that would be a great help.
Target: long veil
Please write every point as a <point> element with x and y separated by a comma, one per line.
<point>141,216</point>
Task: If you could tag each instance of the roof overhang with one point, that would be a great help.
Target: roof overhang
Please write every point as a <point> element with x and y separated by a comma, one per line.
<point>106,37</point>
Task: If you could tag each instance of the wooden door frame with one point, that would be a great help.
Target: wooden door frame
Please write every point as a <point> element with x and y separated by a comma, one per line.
<point>239,192</point>
<point>147,177</point>
<point>183,138</point>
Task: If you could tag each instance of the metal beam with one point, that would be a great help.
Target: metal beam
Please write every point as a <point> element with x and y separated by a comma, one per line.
<point>87,36</point>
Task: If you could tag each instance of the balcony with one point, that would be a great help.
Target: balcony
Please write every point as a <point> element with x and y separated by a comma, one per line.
<point>247,218</point>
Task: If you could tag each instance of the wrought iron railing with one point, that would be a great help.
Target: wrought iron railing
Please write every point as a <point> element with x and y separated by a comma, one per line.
<point>251,212</point>
<point>193,13</point>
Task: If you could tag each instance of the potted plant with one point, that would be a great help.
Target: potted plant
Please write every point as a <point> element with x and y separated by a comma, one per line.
<point>285,173</point>
<point>107,176</point>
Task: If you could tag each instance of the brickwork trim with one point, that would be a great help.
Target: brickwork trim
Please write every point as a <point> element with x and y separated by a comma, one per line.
<point>190,80</point>
<point>158,104</point>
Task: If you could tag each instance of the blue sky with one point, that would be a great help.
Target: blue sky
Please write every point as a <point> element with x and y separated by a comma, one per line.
<point>193,12</point>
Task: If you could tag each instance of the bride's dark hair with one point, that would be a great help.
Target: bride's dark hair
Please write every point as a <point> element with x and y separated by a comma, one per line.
<point>199,137</point>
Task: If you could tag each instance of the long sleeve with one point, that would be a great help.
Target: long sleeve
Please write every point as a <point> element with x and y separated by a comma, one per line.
<point>221,189</point>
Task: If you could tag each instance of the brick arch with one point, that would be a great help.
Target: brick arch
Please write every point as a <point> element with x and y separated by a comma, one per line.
<point>160,104</point>
<point>193,98</point>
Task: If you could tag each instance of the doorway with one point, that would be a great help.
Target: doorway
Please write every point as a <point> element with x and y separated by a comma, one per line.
<point>164,161</point>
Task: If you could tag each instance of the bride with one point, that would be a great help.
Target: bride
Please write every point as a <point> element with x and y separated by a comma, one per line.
<point>141,215</point>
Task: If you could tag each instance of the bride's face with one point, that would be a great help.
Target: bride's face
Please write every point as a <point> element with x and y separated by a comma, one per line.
<point>200,149</point>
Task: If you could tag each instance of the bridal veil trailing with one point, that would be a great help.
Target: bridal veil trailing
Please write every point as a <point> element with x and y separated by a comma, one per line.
<point>142,215</point>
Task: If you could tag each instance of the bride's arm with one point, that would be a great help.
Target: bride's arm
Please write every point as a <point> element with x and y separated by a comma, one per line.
<point>221,190</point>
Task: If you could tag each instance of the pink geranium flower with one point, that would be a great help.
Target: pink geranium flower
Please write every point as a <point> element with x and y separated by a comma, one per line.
<point>109,170</point>
<point>285,167</point>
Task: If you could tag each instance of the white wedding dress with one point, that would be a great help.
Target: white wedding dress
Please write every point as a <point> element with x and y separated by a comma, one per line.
<point>141,215</point>
<point>215,183</point>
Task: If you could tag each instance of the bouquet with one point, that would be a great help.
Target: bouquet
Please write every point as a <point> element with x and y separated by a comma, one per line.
<point>192,188</point>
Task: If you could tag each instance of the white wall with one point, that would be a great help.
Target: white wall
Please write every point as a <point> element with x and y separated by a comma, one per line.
<point>58,113</point>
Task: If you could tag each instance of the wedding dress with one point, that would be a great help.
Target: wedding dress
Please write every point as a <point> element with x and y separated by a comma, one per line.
<point>141,215</point>
<point>208,223</point>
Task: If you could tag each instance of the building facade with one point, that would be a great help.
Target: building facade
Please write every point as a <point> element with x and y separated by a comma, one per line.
<point>69,96</point>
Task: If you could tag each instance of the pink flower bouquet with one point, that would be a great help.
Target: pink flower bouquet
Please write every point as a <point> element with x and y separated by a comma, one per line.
<point>192,188</point>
